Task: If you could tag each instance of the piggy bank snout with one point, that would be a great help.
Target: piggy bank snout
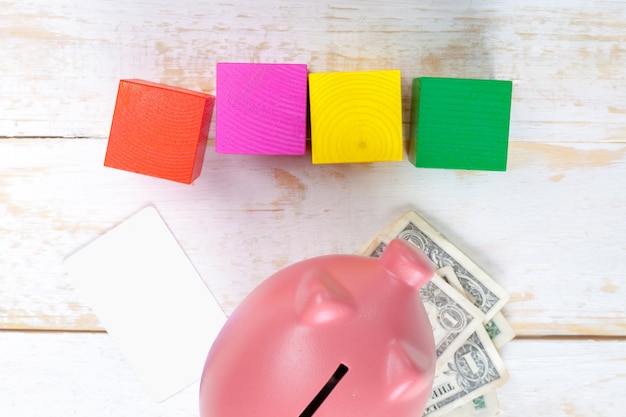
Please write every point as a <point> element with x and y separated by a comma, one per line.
<point>407,263</point>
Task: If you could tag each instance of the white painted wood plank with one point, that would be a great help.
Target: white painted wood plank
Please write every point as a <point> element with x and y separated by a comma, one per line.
<point>551,229</point>
<point>84,374</point>
<point>61,61</point>
<point>567,378</point>
<point>74,374</point>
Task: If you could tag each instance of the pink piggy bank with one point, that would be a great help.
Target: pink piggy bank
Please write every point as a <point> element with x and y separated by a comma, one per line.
<point>332,336</point>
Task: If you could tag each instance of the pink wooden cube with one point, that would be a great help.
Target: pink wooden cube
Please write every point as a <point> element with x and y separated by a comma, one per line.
<point>261,109</point>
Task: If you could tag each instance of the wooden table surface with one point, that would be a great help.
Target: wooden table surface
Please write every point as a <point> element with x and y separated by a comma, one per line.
<point>551,229</point>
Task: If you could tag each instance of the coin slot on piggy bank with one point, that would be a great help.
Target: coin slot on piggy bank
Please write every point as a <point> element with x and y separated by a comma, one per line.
<point>335,335</point>
<point>325,391</point>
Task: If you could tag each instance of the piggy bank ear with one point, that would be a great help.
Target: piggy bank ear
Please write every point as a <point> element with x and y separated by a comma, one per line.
<point>409,371</point>
<point>407,263</point>
<point>320,299</point>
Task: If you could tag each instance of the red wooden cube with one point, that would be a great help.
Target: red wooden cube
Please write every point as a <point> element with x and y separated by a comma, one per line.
<point>159,130</point>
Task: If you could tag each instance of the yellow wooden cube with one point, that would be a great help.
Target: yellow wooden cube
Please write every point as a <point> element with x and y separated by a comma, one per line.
<point>356,116</point>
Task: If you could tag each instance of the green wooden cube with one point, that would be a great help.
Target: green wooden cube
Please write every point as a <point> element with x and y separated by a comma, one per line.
<point>460,123</point>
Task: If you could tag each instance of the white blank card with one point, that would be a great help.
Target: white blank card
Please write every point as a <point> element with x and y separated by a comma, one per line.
<point>151,300</point>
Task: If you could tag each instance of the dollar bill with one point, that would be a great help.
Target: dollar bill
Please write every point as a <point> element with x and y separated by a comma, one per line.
<point>499,329</point>
<point>500,332</point>
<point>475,369</point>
<point>486,405</point>
<point>488,296</point>
<point>448,275</point>
<point>452,317</point>
<point>465,381</point>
